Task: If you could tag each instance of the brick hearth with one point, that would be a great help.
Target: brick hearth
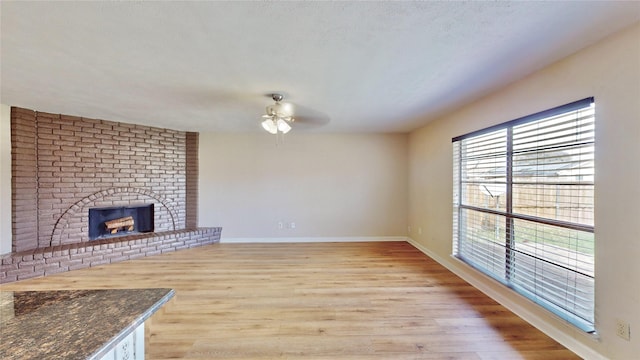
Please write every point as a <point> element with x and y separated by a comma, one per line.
<point>63,165</point>
<point>51,260</point>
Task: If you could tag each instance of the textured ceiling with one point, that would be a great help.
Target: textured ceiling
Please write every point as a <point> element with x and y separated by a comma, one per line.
<point>349,66</point>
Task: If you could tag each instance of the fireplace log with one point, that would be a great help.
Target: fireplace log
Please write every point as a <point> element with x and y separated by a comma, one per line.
<point>115,224</point>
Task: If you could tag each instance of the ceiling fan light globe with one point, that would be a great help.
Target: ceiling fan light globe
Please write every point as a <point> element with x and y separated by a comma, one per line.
<point>283,126</point>
<point>270,126</point>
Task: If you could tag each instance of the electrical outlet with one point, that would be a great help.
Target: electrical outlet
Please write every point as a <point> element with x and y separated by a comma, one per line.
<point>419,231</point>
<point>280,225</point>
<point>292,225</point>
<point>409,229</point>
<point>623,330</point>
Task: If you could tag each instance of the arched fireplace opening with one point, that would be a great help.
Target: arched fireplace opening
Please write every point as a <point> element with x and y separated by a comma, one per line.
<point>106,222</point>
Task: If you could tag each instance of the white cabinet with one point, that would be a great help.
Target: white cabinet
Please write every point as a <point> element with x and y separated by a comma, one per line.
<point>129,348</point>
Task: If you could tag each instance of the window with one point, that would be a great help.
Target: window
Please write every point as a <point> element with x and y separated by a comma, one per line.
<point>523,207</point>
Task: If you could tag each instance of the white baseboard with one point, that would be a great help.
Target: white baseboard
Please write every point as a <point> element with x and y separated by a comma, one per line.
<point>532,317</point>
<point>224,240</point>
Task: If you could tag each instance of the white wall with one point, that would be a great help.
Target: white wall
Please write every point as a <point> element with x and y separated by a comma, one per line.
<point>5,179</point>
<point>331,186</point>
<point>609,71</point>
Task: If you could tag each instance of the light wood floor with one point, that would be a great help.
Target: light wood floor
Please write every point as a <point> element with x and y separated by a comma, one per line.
<point>314,301</point>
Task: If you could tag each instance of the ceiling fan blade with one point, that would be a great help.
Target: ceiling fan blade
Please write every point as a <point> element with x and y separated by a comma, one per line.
<point>306,117</point>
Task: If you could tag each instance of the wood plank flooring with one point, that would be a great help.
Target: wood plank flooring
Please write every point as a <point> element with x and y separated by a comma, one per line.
<point>379,300</point>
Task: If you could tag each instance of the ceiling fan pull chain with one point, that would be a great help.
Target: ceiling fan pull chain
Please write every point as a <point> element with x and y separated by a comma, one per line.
<point>279,139</point>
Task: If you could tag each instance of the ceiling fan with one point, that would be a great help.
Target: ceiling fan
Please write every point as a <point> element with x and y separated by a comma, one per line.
<point>279,116</point>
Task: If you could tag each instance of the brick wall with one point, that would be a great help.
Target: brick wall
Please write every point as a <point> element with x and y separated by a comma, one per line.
<point>63,165</point>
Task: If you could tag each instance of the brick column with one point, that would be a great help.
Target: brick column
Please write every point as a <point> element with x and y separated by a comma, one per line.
<point>24,180</point>
<point>192,180</point>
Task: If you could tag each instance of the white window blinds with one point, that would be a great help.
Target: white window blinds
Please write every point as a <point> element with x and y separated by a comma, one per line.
<point>523,207</point>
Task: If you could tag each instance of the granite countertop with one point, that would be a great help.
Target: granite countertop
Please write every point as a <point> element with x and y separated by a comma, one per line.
<point>72,324</point>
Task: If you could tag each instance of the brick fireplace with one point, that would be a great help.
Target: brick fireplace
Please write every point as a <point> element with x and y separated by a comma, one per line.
<point>63,166</point>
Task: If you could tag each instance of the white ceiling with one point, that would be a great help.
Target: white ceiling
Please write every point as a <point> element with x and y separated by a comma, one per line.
<point>354,66</point>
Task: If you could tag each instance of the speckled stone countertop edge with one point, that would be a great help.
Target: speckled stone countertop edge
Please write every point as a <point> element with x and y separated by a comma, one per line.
<point>129,329</point>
